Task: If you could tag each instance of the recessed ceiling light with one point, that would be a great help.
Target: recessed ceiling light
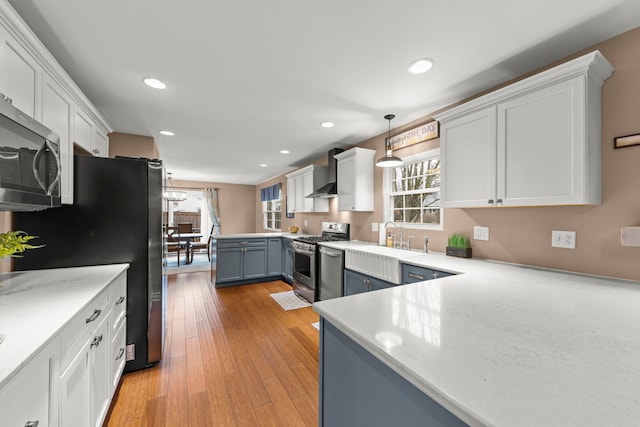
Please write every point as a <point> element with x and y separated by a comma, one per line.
<point>263,165</point>
<point>420,66</point>
<point>284,151</point>
<point>167,132</point>
<point>326,124</point>
<point>154,83</point>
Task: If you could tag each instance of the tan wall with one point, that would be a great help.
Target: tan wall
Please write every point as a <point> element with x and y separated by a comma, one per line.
<point>237,206</point>
<point>523,235</point>
<point>128,145</point>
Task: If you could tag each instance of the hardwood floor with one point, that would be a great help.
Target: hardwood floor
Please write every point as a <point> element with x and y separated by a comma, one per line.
<point>232,357</point>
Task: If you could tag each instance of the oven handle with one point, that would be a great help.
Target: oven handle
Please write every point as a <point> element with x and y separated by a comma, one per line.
<point>303,252</point>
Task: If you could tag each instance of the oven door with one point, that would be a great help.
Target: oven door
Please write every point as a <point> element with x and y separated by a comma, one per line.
<point>304,273</point>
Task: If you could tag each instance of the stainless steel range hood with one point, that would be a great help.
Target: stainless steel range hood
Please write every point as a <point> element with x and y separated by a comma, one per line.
<point>330,189</point>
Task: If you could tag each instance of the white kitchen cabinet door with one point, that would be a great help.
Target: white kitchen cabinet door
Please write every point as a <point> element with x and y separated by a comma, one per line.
<point>312,179</point>
<point>82,130</point>
<point>468,152</point>
<point>74,390</point>
<point>355,179</point>
<point>118,355</point>
<point>31,396</point>
<point>541,147</point>
<point>292,184</point>
<point>57,114</point>
<point>100,372</point>
<point>100,144</point>
<point>20,74</point>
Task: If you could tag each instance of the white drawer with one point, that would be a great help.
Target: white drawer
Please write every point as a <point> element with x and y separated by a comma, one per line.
<point>74,335</point>
<point>119,300</point>
<point>119,354</point>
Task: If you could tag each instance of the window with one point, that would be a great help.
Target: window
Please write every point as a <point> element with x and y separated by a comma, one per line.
<point>270,198</point>
<point>412,192</point>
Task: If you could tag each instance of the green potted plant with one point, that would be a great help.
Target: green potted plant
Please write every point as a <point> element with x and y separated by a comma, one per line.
<point>15,242</point>
<point>458,245</point>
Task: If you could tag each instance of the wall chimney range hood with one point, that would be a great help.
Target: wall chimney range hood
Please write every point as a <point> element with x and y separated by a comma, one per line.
<point>331,188</point>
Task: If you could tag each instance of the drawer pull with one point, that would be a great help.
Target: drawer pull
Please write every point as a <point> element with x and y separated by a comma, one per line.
<point>96,341</point>
<point>120,300</point>
<point>415,276</point>
<point>244,243</point>
<point>32,423</point>
<point>120,354</point>
<point>94,316</point>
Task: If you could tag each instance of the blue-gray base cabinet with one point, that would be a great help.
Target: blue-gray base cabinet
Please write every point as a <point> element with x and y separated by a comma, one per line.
<point>413,274</point>
<point>357,283</point>
<point>243,261</point>
<point>357,389</point>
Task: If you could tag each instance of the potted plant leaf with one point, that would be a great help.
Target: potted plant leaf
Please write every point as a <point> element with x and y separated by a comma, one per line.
<point>458,245</point>
<point>15,242</point>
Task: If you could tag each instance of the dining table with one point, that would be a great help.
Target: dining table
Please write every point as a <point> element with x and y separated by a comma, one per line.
<point>187,238</point>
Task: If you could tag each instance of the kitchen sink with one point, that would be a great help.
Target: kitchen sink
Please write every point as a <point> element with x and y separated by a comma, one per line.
<point>381,262</point>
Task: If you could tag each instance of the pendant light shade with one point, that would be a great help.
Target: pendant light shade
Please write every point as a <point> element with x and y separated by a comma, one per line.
<point>389,160</point>
<point>174,195</point>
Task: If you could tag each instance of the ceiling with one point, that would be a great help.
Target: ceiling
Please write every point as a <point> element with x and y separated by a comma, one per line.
<point>246,79</point>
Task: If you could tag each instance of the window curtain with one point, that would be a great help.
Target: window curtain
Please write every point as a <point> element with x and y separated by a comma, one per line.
<point>211,197</point>
<point>270,193</point>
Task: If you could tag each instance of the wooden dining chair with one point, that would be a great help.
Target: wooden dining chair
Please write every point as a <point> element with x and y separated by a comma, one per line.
<point>185,227</point>
<point>173,244</point>
<point>203,245</point>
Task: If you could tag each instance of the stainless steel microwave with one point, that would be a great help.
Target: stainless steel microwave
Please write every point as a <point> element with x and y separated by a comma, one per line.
<point>29,162</point>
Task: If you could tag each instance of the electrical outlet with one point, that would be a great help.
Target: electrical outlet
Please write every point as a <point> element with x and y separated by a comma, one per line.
<point>305,223</point>
<point>480,233</point>
<point>563,239</point>
<point>374,226</point>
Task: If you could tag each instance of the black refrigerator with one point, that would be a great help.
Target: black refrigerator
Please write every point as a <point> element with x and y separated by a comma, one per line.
<point>116,217</point>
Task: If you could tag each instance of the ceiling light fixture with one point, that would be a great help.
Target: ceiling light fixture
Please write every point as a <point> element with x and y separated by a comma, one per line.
<point>389,160</point>
<point>167,132</point>
<point>173,195</point>
<point>285,151</point>
<point>326,124</point>
<point>263,165</point>
<point>154,83</point>
<point>421,65</point>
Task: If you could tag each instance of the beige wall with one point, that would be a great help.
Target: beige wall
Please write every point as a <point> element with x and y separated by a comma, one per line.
<point>237,206</point>
<point>523,235</point>
<point>128,145</point>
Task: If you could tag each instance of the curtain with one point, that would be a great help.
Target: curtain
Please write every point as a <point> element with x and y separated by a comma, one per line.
<point>211,198</point>
<point>270,193</point>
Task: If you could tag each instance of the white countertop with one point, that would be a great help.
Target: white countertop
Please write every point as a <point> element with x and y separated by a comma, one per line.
<point>258,235</point>
<point>346,244</point>
<point>507,345</point>
<point>35,305</point>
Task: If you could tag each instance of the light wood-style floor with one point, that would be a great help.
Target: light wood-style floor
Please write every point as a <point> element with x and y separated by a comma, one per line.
<point>232,357</point>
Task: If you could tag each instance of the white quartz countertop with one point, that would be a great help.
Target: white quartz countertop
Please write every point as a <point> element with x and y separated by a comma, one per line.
<point>507,345</point>
<point>35,305</point>
<point>257,235</point>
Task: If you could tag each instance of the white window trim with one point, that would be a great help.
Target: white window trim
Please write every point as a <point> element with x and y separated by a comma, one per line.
<point>386,189</point>
<point>264,216</point>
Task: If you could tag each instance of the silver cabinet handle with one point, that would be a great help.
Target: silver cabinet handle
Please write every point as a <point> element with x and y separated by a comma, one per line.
<point>244,243</point>
<point>499,201</point>
<point>94,316</point>
<point>490,201</point>
<point>32,423</point>
<point>120,354</point>
<point>367,281</point>
<point>415,276</point>
<point>120,300</point>
<point>96,341</point>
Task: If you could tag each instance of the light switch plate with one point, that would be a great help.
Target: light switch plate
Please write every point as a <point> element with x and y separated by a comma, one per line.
<point>480,233</point>
<point>630,236</point>
<point>563,239</point>
<point>374,226</point>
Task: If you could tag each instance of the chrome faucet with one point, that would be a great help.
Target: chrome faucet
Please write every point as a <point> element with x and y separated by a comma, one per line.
<point>401,227</point>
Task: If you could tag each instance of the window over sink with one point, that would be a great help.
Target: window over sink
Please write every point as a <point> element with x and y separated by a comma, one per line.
<point>412,192</point>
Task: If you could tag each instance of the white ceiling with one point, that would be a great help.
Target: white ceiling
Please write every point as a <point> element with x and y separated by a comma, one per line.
<point>249,78</point>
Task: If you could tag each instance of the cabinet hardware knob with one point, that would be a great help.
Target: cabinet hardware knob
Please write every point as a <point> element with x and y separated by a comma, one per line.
<point>94,316</point>
<point>490,201</point>
<point>96,341</point>
<point>32,423</point>
<point>435,275</point>
<point>499,201</point>
<point>120,300</point>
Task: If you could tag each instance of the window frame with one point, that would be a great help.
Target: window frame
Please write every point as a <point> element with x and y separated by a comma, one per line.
<point>265,214</point>
<point>386,190</point>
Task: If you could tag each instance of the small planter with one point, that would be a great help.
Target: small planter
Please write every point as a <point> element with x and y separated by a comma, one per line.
<point>459,252</point>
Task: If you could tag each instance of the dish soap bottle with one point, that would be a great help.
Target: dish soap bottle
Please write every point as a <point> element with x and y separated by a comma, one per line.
<point>389,240</point>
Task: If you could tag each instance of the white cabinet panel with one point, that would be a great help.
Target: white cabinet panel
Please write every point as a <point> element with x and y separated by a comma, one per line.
<point>19,74</point>
<point>82,130</point>
<point>303,182</point>
<point>355,179</point>
<point>57,114</point>
<point>100,144</point>
<point>291,194</point>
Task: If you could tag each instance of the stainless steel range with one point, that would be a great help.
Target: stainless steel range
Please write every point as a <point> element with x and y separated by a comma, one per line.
<point>305,258</point>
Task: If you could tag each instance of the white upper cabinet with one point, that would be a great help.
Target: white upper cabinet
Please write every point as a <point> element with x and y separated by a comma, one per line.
<point>303,182</point>
<point>536,142</point>
<point>100,147</point>
<point>355,179</point>
<point>20,74</point>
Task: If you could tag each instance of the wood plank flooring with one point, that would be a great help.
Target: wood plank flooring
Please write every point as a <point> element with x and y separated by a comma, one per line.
<point>232,357</point>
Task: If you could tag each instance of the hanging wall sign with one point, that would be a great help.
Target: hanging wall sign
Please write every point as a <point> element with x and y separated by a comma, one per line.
<point>420,133</point>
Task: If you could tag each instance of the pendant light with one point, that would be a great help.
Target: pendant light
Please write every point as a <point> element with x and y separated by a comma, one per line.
<point>389,160</point>
<point>174,195</point>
